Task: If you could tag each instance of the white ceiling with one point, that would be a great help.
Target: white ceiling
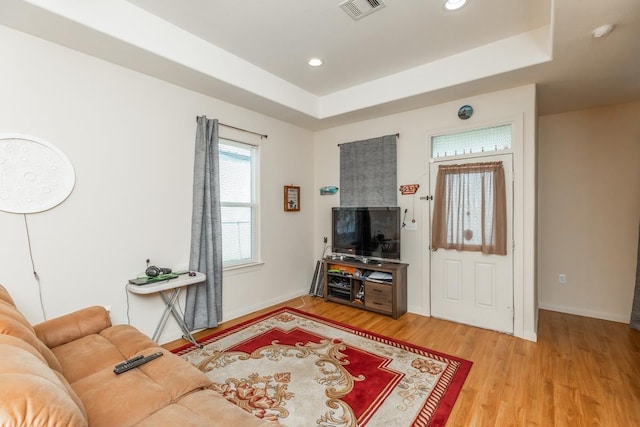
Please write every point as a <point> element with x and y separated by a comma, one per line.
<point>409,54</point>
<point>280,36</point>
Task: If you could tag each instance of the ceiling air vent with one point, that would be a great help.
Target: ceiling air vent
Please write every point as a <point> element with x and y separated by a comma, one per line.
<point>360,8</point>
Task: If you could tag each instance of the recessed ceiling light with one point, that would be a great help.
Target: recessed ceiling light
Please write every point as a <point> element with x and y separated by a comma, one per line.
<point>603,31</point>
<point>315,62</point>
<point>454,4</point>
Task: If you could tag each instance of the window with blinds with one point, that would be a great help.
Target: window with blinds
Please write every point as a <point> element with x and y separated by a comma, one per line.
<point>238,200</point>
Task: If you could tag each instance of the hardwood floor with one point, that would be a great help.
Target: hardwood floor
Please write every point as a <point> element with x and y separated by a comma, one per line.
<point>581,372</point>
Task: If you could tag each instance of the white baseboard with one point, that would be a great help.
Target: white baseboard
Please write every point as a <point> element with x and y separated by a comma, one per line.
<point>614,317</point>
<point>416,309</point>
<point>264,304</point>
<point>529,336</point>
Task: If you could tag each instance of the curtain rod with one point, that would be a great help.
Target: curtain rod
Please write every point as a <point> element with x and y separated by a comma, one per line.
<point>261,135</point>
<point>397,136</point>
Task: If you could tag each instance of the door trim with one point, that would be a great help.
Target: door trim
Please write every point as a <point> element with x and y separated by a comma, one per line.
<point>524,161</point>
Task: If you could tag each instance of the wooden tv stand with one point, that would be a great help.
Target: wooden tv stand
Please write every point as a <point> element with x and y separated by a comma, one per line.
<point>350,282</point>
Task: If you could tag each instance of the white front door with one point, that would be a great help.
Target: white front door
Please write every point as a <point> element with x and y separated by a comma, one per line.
<point>471,287</point>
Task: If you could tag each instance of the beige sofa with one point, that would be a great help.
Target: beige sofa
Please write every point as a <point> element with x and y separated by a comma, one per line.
<point>61,373</point>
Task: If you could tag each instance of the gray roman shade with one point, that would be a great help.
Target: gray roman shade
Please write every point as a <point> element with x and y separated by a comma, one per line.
<point>368,173</point>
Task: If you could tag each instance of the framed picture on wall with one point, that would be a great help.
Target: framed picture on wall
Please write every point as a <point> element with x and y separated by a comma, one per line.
<point>291,198</point>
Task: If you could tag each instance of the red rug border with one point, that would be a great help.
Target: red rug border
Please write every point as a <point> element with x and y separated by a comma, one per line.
<point>445,404</point>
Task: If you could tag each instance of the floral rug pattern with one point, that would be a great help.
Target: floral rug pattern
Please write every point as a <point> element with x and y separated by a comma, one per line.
<point>305,370</point>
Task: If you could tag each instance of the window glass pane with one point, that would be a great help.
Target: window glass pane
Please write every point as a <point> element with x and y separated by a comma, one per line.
<point>238,202</point>
<point>469,212</point>
<point>235,174</point>
<point>473,141</point>
<point>237,230</point>
<point>470,197</point>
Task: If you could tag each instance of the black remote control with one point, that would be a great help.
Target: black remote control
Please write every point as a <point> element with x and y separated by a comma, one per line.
<point>128,361</point>
<point>135,363</point>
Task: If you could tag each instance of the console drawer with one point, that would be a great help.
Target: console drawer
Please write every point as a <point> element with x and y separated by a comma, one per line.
<point>378,296</point>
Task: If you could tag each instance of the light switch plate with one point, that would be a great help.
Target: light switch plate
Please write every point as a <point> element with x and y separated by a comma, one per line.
<point>410,226</point>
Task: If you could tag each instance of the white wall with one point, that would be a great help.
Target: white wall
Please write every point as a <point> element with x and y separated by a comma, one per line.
<point>130,138</point>
<point>415,127</point>
<point>589,207</point>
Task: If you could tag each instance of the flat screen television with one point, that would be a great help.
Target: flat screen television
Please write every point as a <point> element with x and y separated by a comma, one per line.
<point>367,232</point>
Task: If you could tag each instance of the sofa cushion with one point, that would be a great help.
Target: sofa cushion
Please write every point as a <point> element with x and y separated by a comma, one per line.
<point>88,363</point>
<point>4,296</point>
<point>127,339</point>
<point>13,323</point>
<point>174,373</point>
<point>32,394</point>
<point>205,408</point>
<point>69,327</point>
<point>17,342</point>
<point>121,342</point>
<point>120,400</point>
<point>10,310</point>
<point>71,392</point>
<point>86,356</point>
<point>11,341</point>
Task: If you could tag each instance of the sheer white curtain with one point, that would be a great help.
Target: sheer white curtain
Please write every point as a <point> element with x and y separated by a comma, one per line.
<point>470,209</point>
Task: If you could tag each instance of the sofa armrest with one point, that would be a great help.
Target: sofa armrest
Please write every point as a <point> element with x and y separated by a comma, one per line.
<point>70,327</point>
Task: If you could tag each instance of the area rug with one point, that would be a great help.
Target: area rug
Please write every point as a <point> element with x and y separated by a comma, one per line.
<point>306,370</point>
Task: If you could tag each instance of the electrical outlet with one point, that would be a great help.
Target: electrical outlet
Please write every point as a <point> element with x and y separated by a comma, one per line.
<point>562,278</point>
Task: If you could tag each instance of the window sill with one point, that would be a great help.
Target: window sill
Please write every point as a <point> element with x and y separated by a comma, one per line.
<point>241,269</point>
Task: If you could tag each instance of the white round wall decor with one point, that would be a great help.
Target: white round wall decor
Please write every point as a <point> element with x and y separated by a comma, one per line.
<point>34,174</point>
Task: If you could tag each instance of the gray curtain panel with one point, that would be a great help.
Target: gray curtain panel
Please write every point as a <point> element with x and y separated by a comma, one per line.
<point>368,172</point>
<point>204,300</point>
<point>635,311</point>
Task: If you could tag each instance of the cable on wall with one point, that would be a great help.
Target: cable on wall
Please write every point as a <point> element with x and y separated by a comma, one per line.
<point>36,176</point>
<point>33,267</point>
<point>126,292</point>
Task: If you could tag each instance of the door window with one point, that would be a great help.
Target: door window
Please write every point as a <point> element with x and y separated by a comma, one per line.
<point>470,210</point>
<point>496,138</point>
